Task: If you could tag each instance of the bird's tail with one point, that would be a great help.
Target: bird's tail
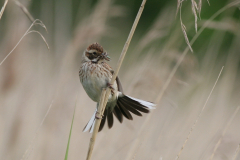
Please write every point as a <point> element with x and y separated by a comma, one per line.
<point>125,105</point>
<point>90,124</point>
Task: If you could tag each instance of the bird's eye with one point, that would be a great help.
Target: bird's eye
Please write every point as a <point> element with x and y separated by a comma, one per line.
<point>94,53</point>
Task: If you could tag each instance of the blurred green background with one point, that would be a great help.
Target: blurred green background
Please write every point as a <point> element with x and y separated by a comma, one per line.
<point>62,18</point>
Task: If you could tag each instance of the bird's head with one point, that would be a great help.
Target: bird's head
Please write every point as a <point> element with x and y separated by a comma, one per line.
<point>95,53</point>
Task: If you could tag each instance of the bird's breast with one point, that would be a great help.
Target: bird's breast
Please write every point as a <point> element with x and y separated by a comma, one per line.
<point>94,77</point>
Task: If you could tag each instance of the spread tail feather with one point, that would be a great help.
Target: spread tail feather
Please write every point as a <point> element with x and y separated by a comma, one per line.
<point>140,102</point>
<point>90,123</point>
<point>125,105</point>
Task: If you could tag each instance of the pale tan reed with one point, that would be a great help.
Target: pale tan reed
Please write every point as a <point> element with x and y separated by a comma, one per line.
<point>204,106</point>
<point>3,8</point>
<point>35,22</point>
<point>236,152</point>
<point>24,9</point>
<point>96,126</point>
<point>224,131</point>
<point>105,93</point>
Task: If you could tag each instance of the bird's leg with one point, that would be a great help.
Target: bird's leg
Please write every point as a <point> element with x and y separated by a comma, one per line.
<point>110,86</point>
<point>97,116</point>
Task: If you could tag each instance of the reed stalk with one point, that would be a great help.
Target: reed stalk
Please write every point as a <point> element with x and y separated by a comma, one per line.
<point>3,8</point>
<point>200,114</point>
<point>224,132</point>
<point>106,92</point>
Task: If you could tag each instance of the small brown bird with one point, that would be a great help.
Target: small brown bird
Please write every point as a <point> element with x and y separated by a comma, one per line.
<point>96,74</point>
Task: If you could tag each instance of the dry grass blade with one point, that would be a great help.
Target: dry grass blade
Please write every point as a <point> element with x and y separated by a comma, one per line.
<point>31,145</point>
<point>208,2</point>
<point>190,132</point>
<point>184,30</point>
<point>224,131</point>
<point>36,22</point>
<point>199,7</point>
<point>194,8</point>
<point>24,9</point>
<point>236,152</point>
<point>104,96</point>
<point>3,8</point>
<point>33,31</point>
<point>178,5</point>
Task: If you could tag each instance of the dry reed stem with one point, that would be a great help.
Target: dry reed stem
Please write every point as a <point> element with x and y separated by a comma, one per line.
<point>3,8</point>
<point>125,48</point>
<point>162,91</point>
<point>236,152</point>
<point>136,152</point>
<point>31,145</point>
<point>224,131</point>
<point>24,9</point>
<point>184,30</point>
<point>190,132</point>
<point>97,123</point>
<point>105,93</point>
<point>35,22</point>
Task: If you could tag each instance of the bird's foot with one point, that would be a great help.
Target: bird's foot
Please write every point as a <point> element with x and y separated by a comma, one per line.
<point>110,86</point>
<point>98,115</point>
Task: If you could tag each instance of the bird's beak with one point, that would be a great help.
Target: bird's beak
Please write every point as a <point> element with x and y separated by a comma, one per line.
<point>105,56</point>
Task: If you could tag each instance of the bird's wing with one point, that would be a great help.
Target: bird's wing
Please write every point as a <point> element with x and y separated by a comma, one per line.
<point>120,88</point>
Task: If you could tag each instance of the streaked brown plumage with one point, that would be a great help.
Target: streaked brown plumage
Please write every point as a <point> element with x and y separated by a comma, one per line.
<point>96,74</point>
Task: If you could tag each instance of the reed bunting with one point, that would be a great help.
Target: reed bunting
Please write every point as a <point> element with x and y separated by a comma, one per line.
<point>96,74</point>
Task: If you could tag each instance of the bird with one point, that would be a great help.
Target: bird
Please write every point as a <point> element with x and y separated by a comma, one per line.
<point>95,74</point>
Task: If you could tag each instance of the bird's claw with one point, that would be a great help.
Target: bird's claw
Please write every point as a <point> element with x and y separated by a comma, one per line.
<point>110,86</point>
<point>97,116</point>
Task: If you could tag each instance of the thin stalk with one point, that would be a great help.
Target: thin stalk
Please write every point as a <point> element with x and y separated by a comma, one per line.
<point>96,126</point>
<point>193,126</point>
<point>70,133</point>
<point>24,9</point>
<point>36,22</point>
<point>224,131</point>
<point>236,152</point>
<point>106,92</point>
<point>3,8</point>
